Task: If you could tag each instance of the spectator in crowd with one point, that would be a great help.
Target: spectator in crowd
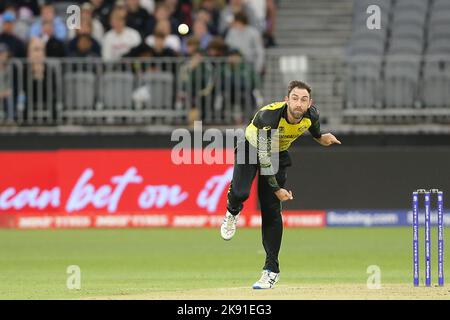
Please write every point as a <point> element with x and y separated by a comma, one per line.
<point>192,46</point>
<point>84,48</point>
<point>87,12</point>
<point>120,39</point>
<point>15,45</point>
<point>21,27</point>
<point>217,47</point>
<point>265,12</point>
<point>53,47</point>
<point>159,46</point>
<point>259,8</point>
<point>142,50</point>
<point>181,10</point>
<point>7,86</point>
<point>40,84</point>
<point>27,7</point>
<point>205,16</point>
<point>247,40</point>
<point>171,41</point>
<point>227,15</point>
<point>36,57</point>
<point>148,5</point>
<point>48,14</point>
<point>160,50</point>
<point>243,83</point>
<point>101,11</point>
<point>143,63</point>
<point>196,81</point>
<point>212,7</point>
<point>162,13</point>
<point>269,33</point>
<point>200,31</point>
<point>196,4</point>
<point>137,17</point>
<point>120,5</point>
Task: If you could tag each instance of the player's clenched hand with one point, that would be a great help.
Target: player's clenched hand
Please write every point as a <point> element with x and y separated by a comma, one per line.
<point>284,195</point>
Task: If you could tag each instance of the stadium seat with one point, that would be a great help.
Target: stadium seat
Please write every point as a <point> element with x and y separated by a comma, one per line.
<point>435,91</point>
<point>436,27</point>
<point>408,17</point>
<point>439,35</point>
<point>408,31</point>
<point>160,88</point>
<point>363,82</point>
<point>405,46</point>
<point>439,20</point>
<point>365,33</point>
<point>366,47</point>
<point>359,21</point>
<point>440,17</point>
<point>439,47</point>
<point>442,14</point>
<point>363,4</point>
<point>410,61</point>
<point>401,76</point>
<point>437,64</point>
<point>441,5</point>
<point>363,91</point>
<point>117,90</point>
<point>79,90</point>
<point>376,36</point>
<point>418,5</point>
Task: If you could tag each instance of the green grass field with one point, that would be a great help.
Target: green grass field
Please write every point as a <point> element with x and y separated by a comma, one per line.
<point>197,263</point>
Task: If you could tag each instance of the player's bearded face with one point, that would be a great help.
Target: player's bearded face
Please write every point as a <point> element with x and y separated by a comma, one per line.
<point>298,103</point>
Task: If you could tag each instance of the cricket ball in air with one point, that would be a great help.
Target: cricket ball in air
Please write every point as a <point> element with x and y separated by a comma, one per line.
<point>183,29</point>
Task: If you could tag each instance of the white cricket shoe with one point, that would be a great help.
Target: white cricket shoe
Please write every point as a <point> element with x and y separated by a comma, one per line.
<point>267,281</point>
<point>228,227</point>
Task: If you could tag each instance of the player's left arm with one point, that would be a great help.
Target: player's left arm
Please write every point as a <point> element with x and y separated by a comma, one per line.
<point>325,139</point>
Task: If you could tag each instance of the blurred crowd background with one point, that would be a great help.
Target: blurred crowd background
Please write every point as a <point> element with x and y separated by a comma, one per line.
<point>172,62</point>
<point>112,29</point>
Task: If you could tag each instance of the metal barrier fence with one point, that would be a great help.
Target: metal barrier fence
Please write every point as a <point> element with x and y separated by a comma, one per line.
<point>132,91</point>
<point>219,91</point>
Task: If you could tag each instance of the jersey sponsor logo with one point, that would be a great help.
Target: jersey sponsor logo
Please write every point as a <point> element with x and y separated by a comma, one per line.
<point>281,130</point>
<point>290,136</point>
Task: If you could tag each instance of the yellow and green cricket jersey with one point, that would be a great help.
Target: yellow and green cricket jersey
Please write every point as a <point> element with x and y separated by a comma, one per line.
<point>274,117</point>
<point>270,131</point>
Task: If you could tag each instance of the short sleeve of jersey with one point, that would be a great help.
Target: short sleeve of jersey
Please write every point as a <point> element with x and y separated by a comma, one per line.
<point>315,123</point>
<point>265,119</point>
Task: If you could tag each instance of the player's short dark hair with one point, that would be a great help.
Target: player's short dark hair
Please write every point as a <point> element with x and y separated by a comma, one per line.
<point>300,85</point>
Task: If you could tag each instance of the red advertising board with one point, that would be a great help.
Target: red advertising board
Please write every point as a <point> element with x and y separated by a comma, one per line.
<point>118,188</point>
